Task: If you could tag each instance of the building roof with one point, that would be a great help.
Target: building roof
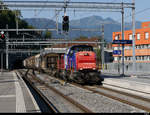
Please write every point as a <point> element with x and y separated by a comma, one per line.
<point>71,44</point>
<point>53,50</point>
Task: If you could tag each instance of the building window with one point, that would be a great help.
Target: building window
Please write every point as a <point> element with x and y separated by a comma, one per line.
<point>115,48</point>
<point>148,57</point>
<point>129,58</point>
<point>115,59</point>
<point>136,57</point>
<point>146,35</point>
<point>117,37</point>
<point>121,58</point>
<point>145,58</point>
<point>140,46</point>
<point>145,46</point>
<point>126,47</point>
<point>137,47</point>
<point>130,47</point>
<point>138,36</point>
<point>130,37</point>
<point>142,57</point>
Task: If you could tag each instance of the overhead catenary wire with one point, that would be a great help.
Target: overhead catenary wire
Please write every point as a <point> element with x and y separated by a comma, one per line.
<point>42,8</point>
<point>127,16</point>
<point>56,14</point>
<point>104,22</point>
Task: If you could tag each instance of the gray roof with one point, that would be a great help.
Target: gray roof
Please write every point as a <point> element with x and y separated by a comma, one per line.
<point>53,50</point>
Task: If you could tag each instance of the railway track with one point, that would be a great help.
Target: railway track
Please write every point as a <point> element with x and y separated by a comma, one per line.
<point>50,107</point>
<point>32,80</point>
<point>123,97</point>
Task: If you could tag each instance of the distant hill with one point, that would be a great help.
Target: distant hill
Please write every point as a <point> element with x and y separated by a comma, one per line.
<point>92,22</point>
<point>41,22</point>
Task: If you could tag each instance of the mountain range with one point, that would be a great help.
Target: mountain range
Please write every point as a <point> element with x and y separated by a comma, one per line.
<point>91,22</point>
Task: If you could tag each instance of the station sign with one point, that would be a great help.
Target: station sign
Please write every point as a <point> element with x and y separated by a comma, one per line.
<point>122,42</point>
<point>117,52</point>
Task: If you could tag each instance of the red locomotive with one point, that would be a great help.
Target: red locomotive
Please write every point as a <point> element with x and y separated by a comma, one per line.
<point>78,64</point>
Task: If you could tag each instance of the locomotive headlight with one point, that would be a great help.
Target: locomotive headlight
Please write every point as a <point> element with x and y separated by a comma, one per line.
<point>94,68</point>
<point>81,68</point>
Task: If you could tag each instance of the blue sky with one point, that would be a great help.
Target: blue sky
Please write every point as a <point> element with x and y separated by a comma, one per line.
<point>140,16</point>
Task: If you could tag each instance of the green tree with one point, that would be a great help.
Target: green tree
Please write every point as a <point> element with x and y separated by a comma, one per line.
<point>8,17</point>
<point>98,55</point>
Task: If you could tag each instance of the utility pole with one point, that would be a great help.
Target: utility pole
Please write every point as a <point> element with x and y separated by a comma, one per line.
<point>16,17</point>
<point>65,2</point>
<point>56,13</point>
<point>1,61</point>
<point>23,37</point>
<point>65,6</point>
<point>102,53</point>
<point>7,40</point>
<point>122,29</point>
<point>133,36</point>
<point>119,58</point>
<point>1,50</point>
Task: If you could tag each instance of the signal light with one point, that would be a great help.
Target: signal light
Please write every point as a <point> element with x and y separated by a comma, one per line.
<point>65,23</point>
<point>66,18</point>
<point>2,35</point>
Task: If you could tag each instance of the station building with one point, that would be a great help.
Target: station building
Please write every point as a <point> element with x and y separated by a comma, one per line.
<point>142,44</point>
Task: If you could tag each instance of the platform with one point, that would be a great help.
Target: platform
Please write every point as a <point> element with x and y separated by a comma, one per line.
<point>15,97</point>
<point>138,83</point>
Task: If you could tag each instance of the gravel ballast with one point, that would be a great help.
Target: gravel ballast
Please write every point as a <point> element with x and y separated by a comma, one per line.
<point>94,102</point>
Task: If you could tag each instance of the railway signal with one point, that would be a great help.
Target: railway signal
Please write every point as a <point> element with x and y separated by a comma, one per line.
<point>2,35</point>
<point>65,23</point>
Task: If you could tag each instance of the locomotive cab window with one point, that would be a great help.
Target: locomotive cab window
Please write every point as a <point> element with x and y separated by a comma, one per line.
<point>71,53</point>
<point>82,48</point>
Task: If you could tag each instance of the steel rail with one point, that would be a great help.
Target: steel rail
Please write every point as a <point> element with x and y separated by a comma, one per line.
<point>117,98</point>
<point>125,93</point>
<point>126,88</point>
<point>53,109</point>
<point>75,103</point>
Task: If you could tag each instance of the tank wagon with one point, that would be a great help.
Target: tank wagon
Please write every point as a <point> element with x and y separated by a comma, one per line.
<point>77,64</point>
